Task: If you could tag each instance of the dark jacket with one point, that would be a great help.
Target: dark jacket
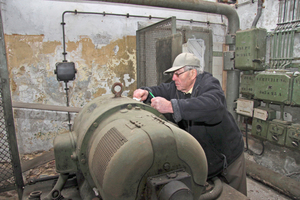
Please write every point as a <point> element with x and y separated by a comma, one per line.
<point>204,115</point>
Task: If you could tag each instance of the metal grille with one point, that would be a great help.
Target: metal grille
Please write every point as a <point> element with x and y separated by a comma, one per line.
<point>146,60</point>
<point>289,11</point>
<point>282,39</point>
<point>7,179</point>
<point>107,147</point>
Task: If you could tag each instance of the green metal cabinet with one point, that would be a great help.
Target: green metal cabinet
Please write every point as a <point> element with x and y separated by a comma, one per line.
<point>261,119</point>
<point>277,131</point>
<point>247,84</point>
<point>250,49</point>
<point>274,86</point>
<point>293,136</point>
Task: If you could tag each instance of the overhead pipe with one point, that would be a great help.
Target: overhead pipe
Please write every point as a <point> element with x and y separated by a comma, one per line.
<point>192,5</point>
<point>232,91</point>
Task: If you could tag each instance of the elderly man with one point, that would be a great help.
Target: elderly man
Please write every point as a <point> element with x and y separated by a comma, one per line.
<point>196,102</point>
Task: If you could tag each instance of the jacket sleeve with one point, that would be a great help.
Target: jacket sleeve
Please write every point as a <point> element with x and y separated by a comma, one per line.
<point>207,104</point>
<point>163,90</point>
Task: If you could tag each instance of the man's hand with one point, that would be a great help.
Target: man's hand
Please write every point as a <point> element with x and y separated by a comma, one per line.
<point>140,94</point>
<point>162,105</point>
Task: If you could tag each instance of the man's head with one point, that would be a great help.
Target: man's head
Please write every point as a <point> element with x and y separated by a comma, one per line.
<point>185,69</point>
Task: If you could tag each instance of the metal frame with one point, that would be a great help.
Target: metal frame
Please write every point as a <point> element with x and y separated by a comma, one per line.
<point>11,173</point>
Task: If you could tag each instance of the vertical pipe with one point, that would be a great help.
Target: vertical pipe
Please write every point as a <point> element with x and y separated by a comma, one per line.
<point>291,10</point>
<point>284,36</point>
<point>271,52</point>
<point>298,11</point>
<point>274,49</point>
<point>291,52</point>
<point>284,11</point>
<point>294,8</point>
<point>288,42</point>
<point>279,47</point>
<point>280,12</point>
<point>259,9</point>
<point>233,80</point>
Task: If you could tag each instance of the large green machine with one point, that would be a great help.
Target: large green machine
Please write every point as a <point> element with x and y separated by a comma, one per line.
<point>124,149</point>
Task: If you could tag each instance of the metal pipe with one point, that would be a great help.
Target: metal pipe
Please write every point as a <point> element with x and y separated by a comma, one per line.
<point>194,5</point>
<point>116,14</point>
<point>279,46</point>
<point>233,81</point>
<point>215,192</point>
<point>55,193</point>
<point>259,9</point>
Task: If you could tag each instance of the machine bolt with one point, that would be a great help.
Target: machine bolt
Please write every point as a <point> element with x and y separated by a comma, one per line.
<point>167,166</point>
<point>95,124</point>
<point>129,106</point>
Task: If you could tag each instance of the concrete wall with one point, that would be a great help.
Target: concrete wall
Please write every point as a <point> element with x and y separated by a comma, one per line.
<point>103,49</point>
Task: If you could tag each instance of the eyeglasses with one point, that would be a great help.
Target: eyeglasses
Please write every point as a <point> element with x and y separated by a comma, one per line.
<point>178,74</point>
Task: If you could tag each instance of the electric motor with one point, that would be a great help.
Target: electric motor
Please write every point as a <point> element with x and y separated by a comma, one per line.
<point>125,149</point>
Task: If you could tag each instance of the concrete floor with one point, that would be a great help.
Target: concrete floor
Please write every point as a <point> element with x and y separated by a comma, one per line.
<point>256,191</point>
<point>259,191</point>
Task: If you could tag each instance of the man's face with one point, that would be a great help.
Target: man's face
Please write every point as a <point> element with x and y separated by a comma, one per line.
<point>184,80</point>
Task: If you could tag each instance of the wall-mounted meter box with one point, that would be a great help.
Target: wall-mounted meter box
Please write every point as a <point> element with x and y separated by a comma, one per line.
<point>259,128</point>
<point>260,122</point>
<point>296,91</point>
<point>250,49</point>
<point>273,86</point>
<point>293,136</point>
<point>247,84</point>
<point>277,131</point>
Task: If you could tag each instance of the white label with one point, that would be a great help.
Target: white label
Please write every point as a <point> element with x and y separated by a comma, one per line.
<point>245,107</point>
<point>260,114</point>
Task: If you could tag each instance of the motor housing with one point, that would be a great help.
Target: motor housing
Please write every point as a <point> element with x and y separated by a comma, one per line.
<point>125,149</point>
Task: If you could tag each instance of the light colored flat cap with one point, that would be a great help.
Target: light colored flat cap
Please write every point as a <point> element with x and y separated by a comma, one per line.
<point>182,60</point>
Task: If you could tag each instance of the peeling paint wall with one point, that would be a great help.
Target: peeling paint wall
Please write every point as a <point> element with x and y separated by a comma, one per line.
<point>103,49</point>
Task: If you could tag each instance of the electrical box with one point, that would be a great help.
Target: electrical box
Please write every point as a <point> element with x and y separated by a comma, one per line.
<point>228,60</point>
<point>250,49</point>
<point>245,107</point>
<point>277,131</point>
<point>264,113</point>
<point>259,128</point>
<point>247,84</point>
<point>296,91</point>
<point>260,122</point>
<point>293,136</point>
<point>273,86</point>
